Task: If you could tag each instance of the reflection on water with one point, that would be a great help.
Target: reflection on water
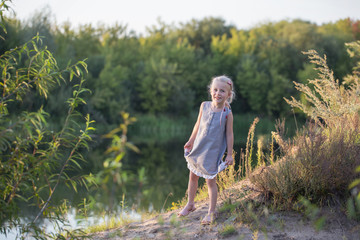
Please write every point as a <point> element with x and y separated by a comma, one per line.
<point>166,173</point>
<point>155,175</point>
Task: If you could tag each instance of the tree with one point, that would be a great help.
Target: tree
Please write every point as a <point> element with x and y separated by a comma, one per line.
<point>157,83</point>
<point>11,35</point>
<point>35,158</point>
<point>200,32</point>
<point>114,87</point>
<point>253,83</point>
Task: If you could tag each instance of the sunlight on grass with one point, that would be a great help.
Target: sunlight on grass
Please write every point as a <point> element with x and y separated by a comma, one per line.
<point>227,230</point>
<point>112,223</point>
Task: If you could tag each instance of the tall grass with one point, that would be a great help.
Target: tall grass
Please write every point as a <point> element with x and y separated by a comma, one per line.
<point>319,161</point>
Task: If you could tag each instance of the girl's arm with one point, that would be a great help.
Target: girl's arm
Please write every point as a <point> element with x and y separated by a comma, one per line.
<point>189,144</point>
<point>229,139</point>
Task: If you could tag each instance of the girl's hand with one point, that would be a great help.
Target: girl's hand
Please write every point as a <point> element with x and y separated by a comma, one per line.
<point>229,160</point>
<point>189,145</point>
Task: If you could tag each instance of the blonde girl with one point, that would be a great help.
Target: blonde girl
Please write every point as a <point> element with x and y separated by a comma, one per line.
<point>211,136</point>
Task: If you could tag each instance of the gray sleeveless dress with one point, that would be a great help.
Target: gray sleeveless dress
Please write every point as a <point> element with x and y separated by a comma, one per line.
<point>210,143</point>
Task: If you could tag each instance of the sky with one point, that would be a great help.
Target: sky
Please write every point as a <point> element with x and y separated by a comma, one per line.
<point>139,14</point>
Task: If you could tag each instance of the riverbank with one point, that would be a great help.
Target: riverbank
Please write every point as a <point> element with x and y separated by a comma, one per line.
<point>242,215</point>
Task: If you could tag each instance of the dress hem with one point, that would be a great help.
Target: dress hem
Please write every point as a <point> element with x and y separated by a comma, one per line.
<point>197,173</point>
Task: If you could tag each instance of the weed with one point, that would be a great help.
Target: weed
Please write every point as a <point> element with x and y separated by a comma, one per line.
<point>229,207</point>
<point>169,235</point>
<point>255,235</point>
<point>160,220</point>
<point>174,221</point>
<point>313,213</point>
<point>115,234</point>
<point>249,148</point>
<point>227,230</point>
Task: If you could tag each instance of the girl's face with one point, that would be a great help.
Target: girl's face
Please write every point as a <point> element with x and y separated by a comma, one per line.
<point>220,92</point>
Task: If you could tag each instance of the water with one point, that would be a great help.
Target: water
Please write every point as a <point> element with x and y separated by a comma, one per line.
<point>165,181</point>
<point>73,223</point>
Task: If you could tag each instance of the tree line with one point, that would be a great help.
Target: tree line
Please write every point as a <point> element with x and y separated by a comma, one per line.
<point>167,70</point>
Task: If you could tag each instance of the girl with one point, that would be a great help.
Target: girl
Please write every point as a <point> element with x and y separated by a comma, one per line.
<point>212,134</point>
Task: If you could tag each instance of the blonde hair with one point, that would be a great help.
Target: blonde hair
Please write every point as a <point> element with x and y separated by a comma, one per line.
<point>227,80</point>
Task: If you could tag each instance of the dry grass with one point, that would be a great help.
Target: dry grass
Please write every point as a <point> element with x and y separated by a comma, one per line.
<point>320,160</point>
<point>318,163</point>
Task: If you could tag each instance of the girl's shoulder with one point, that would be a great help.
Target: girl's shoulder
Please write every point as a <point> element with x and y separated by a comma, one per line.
<point>205,104</point>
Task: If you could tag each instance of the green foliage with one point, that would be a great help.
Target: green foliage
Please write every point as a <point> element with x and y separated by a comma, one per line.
<point>353,203</point>
<point>227,230</point>
<point>156,87</point>
<point>200,33</point>
<point>3,7</point>
<point>313,213</point>
<point>161,89</point>
<point>300,34</point>
<point>9,35</point>
<point>34,158</point>
<point>253,82</point>
<point>167,71</point>
<point>112,176</point>
<point>263,85</point>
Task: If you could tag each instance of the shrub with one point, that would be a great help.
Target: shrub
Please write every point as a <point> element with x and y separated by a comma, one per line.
<point>320,160</point>
<point>36,159</point>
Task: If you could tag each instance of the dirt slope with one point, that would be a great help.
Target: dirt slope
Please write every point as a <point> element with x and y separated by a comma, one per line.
<point>284,225</point>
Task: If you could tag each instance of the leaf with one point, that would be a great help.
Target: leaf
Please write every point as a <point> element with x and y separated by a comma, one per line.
<point>351,208</point>
<point>354,183</point>
<point>76,163</point>
<point>71,75</point>
<point>132,147</point>
<point>320,223</point>
<point>119,157</point>
<point>78,71</point>
<point>74,185</point>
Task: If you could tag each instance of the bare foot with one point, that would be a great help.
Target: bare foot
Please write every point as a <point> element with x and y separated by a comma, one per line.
<point>186,210</point>
<point>209,218</point>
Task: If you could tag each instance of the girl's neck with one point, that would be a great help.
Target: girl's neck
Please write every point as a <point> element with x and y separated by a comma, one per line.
<point>217,106</point>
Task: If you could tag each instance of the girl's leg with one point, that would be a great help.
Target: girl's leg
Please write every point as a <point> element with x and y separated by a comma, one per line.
<point>212,189</point>
<point>192,188</point>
